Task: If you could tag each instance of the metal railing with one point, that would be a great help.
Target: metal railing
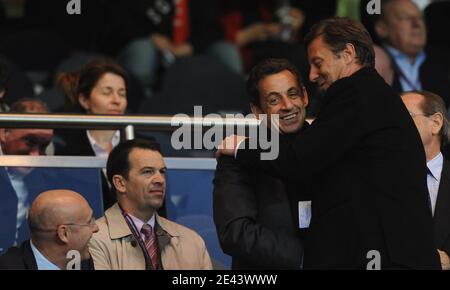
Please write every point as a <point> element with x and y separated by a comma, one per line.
<point>125,123</point>
<point>97,162</point>
<point>8,120</point>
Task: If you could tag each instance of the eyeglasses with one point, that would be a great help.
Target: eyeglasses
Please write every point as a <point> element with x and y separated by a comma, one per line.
<point>90,224</point>
<point>414,114</point>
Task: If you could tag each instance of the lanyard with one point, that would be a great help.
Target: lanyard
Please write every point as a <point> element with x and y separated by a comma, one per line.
<point>137,237</point>
<point>402,75</point>
<point>415,87</point>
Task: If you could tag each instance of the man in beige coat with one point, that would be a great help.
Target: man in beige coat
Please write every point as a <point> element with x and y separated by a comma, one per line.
<point>131,234</point>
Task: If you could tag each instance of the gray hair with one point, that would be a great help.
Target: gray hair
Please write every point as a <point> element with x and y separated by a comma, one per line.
<point>431,105</point>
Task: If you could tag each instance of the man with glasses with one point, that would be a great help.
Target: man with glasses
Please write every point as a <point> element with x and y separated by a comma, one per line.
<point>430,116</point>
<point>61,224</point>
<point>417,66</point>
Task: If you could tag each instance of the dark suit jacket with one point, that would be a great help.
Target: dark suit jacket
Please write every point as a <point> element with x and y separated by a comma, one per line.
<point>254,219</point>
<point>365,162</point>
<point>23,259</point>
<point>441,218</point>
<point>36,182</point>
<point>434,74</point>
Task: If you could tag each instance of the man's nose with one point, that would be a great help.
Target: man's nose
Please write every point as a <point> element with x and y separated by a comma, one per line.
<point>313,74</point>
<point>35,152</point>
<point>159,178</point>
<point>286,104</point>
<point>416,22</point>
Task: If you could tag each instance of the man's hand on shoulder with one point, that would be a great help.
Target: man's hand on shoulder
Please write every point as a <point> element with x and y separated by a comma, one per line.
<point>445,260</point>
<point>229,145</point>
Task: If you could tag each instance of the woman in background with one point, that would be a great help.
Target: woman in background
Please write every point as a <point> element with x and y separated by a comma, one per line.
<point>100,87</point>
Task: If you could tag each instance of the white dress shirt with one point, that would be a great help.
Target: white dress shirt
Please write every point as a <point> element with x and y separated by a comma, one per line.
<point>434,178</point>
<point>41,261</point>
<point>99,151</point>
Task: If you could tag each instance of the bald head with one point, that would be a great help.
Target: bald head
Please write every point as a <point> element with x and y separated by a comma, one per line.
<point>56,207</point>
<point>61,220</point>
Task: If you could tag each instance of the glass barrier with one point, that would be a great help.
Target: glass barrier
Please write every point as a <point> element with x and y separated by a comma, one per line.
<point>188,196</point>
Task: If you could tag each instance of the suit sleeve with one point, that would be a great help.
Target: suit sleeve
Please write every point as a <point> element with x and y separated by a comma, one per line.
<point>326,141</point>
<point>240,235</point>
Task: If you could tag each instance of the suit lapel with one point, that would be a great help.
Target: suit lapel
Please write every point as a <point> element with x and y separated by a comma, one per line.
<point>441,218</point>
<point>28,257</point>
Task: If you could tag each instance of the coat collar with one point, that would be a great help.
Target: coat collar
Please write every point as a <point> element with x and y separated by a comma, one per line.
<point>118,227</point>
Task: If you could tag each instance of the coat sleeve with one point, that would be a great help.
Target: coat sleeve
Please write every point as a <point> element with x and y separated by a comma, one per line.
<point>99,254</point>
<point>206,259</point>
<point>235,216</point>
<point>327,140</point>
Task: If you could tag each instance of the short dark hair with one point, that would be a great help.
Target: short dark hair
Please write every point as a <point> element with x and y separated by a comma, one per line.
<point>118,160</point>
<point>265,68</point>
<point>431,105</point>
<point>337,32</point>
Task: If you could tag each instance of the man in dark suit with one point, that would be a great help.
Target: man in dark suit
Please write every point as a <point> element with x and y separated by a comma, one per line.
<point>20,185</point>
<point>252,212</point>
<point>61,226</point>
<point>430,116</point>
<point>362,158</point>
<point>401,27</point>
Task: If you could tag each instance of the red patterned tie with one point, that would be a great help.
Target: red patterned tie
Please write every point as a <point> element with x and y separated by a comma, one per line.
<point>150,244</point>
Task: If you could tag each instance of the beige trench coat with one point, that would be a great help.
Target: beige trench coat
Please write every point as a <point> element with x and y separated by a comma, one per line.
<point>111,249</point>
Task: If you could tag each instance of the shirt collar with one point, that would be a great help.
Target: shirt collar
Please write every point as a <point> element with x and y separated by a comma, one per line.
<point>118,227</point>
<point>435,166</point>
<point>42,262</point>
<point>398,55</point>
<point>139,224</point>
<point>98,150</point>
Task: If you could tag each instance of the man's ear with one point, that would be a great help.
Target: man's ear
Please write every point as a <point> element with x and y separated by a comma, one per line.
<point>84,102</point>
<point>119,183</point>
<point>381,29</point>
<point>305,97</point>
<point>438,122</point>
<point>256,110</point>
<point>62,232</point>
<point>349,53</point>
